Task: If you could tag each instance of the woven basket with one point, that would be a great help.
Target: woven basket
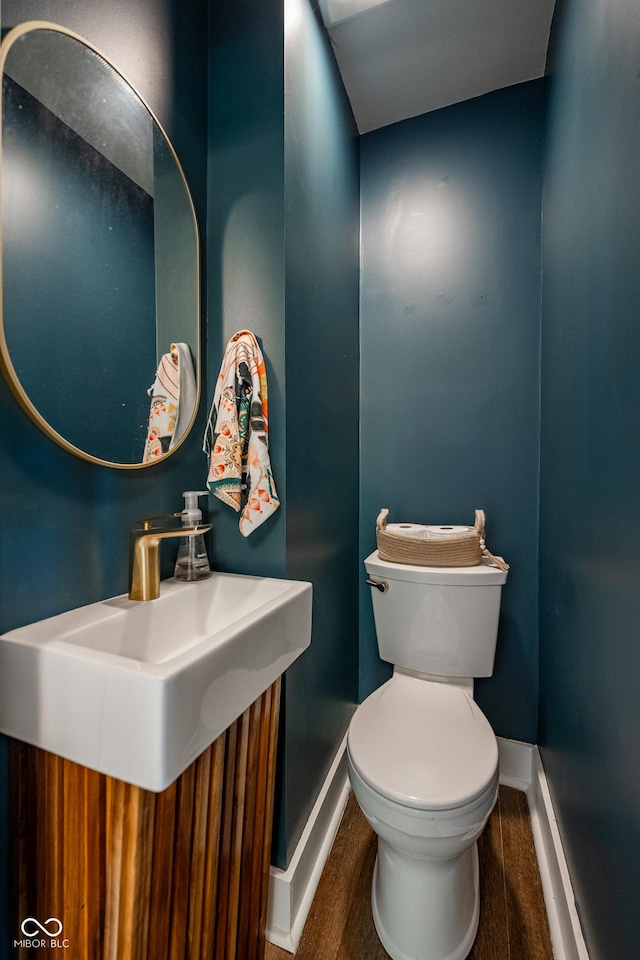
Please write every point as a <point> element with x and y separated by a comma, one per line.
<point>460,550</point>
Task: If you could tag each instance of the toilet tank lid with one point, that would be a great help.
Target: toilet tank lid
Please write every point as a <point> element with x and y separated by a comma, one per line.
<point>482,574</point>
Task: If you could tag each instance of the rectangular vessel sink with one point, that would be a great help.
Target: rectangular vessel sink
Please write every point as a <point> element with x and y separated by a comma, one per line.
<point>139,690</point>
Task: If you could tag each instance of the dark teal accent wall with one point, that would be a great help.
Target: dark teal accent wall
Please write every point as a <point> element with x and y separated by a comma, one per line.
<point>246,265</point>
<point>450,306</point>
<point>283,261</point>
<point>321,290</point>
<point>64,523</point>
<point>590,463</point>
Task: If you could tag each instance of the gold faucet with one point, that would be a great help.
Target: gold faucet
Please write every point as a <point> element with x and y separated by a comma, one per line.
<point>145,554</point>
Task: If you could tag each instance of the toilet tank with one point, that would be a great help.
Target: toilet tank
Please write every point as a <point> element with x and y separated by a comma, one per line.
<point>437,620</point>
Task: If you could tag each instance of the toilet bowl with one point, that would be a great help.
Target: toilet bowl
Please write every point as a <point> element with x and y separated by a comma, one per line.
<point>423,764</point>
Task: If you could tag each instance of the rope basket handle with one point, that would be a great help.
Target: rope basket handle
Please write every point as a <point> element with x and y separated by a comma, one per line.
<point>479,526</point>
<point>381,521</point>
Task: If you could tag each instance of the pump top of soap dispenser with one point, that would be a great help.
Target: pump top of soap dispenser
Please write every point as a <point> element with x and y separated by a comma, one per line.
<point>192,515</point>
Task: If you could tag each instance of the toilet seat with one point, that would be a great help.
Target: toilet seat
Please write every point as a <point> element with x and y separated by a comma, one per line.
<point>423,744</point>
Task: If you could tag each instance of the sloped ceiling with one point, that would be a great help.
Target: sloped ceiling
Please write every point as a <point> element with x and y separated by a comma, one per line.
<point>401,58</point>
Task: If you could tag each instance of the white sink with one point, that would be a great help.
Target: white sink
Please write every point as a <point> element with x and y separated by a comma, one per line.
<point>139,690</point>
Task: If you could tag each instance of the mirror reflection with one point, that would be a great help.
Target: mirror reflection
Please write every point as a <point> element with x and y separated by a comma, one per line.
<point>100,309</point>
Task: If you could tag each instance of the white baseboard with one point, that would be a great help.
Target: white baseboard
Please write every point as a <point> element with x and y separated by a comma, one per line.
<point>521,767</point>
<point>567,937</point>
<point>516,763</point>
<point>291,891</point>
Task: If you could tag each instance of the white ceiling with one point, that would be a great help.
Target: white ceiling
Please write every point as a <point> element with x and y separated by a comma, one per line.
<point>401,58</point>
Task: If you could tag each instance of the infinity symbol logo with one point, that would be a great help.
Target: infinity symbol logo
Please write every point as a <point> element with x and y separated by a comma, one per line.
<point>33,931</point>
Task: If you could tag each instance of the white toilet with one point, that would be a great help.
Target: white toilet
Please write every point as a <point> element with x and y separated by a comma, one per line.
<point>422,757</point>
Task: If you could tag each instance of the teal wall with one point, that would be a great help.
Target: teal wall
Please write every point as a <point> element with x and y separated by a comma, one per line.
<point>590,460</point>
<point>283,259</point>
<point>321,247</point>
<point>245,265</point>
<point>64,523</point>
<point>450,310</point>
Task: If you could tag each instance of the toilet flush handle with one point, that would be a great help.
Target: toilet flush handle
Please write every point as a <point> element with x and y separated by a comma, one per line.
<point>381,585</point>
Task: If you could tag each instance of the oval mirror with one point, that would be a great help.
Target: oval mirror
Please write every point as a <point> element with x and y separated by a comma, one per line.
<point>99,327</point>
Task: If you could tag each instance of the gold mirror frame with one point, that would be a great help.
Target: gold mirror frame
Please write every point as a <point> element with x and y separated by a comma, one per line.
<point>6,365</point>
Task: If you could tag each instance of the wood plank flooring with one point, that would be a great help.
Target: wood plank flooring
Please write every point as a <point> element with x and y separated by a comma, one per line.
<point>513,920</point>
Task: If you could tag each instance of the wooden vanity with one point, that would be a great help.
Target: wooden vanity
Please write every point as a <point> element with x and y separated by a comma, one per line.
<point>136,875</point>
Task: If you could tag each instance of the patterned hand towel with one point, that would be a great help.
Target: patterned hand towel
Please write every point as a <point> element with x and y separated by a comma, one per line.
<point>173,397</point>
<point>236,435</point>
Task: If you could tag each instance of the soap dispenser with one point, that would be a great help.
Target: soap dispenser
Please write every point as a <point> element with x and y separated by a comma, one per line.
<point>192,562</point>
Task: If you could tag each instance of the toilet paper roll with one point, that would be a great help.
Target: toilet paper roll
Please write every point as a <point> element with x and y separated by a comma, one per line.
<point>441,533</point>
<point>408,529</point>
